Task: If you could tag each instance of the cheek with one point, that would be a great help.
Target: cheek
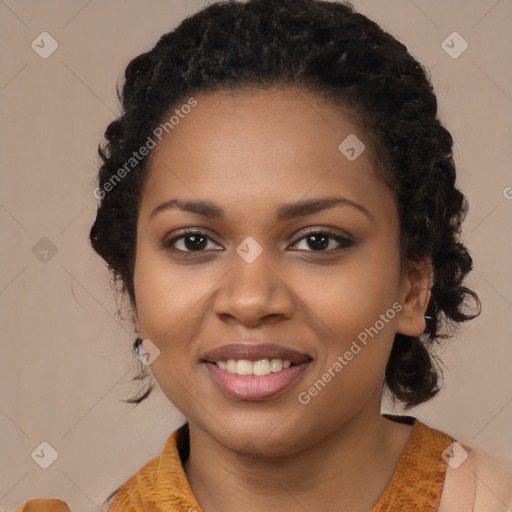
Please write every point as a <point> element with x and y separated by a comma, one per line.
<point>169,305</point>
<point>357,306</point>
<point>166,293</point>
<point>352,296</point>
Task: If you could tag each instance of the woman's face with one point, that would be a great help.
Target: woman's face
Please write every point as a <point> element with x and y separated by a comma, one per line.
<point>321,284</point>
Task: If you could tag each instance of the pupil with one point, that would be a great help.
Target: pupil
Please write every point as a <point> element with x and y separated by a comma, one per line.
<point>198,242</point>
<point>317,238</point>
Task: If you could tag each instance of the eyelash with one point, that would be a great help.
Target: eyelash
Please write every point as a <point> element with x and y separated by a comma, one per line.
<point>345,243</point>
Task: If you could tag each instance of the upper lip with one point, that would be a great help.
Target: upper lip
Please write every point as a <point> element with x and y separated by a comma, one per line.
<point>254,352</point>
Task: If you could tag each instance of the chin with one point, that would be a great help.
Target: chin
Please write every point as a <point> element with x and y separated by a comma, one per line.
<point>257,435</point>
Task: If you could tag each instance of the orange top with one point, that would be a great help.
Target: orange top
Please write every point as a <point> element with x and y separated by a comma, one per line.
<point>161,485</point>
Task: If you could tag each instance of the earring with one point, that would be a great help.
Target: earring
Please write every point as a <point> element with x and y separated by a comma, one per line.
<point>427,323</point>
<point>136,347</point>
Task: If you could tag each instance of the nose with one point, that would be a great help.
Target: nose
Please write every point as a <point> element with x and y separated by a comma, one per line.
<point>253,293</point>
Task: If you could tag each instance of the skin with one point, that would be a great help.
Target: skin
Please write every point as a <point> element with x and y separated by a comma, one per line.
<point>249,152</point>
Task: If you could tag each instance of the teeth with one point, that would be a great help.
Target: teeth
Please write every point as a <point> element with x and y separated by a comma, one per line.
<point>276,365</point>
<point>258,368</point>
<point>243,367</point>
<point>261,367</point>
<point>231,366</point>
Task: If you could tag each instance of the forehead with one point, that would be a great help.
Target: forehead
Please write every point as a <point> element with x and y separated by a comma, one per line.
<point>254,146</point>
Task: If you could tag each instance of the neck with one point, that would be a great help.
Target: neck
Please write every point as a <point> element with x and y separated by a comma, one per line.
<point>350,467</point>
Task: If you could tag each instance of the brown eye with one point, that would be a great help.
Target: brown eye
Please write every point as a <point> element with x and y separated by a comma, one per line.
<point>194,242</point>
<point>320,241</point>
<point>190,241</point>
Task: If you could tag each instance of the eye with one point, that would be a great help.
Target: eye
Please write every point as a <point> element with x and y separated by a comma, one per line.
<point>188,241</point>
<point>191,241</point>
<point>321,241</point>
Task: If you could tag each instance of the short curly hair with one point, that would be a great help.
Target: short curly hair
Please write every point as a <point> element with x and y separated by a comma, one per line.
<point>329,49</point>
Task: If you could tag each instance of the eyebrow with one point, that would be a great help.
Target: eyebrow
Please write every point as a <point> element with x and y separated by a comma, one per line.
<point>284,212</point>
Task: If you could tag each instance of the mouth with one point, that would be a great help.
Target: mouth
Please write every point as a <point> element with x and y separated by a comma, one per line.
<point>255,372</point>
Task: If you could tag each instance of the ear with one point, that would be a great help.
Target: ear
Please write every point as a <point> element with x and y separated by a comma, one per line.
<point>414,295</point>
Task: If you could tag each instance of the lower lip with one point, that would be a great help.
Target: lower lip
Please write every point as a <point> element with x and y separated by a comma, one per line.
<point>253,387</point>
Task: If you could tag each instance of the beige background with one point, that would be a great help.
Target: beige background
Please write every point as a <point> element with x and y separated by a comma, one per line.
<point>66,357</point>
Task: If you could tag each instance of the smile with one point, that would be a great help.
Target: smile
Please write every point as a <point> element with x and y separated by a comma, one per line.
<point>255,372</point>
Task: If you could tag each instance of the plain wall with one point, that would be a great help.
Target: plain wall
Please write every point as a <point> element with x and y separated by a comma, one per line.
<point>66,356</point>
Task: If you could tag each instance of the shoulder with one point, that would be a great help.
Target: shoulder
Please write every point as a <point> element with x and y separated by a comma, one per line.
<point>44,505</point>
<point>142,483</point>
<point>456,476</point>
<point>163,474</point>
<point>476,481</point>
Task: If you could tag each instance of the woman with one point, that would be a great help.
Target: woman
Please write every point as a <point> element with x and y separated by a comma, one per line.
<point>278,201</point>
